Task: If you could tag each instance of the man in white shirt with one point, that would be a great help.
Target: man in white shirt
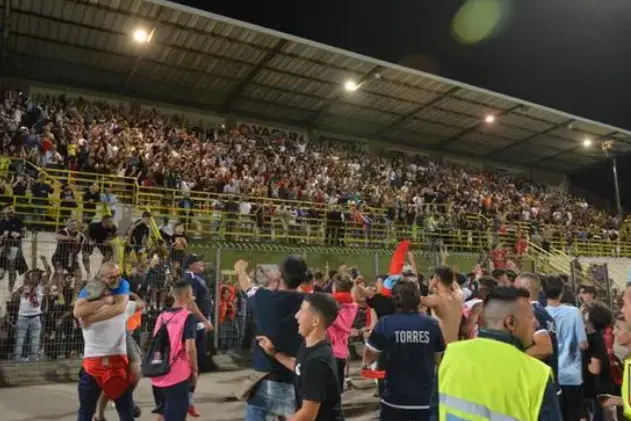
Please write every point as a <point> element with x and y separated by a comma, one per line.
<point>105,365</point>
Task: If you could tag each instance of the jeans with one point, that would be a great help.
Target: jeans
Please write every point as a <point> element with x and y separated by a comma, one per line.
<point>270,400</point>
<point>31,325</point>
<point>173,405</point>
<point>89,392</point>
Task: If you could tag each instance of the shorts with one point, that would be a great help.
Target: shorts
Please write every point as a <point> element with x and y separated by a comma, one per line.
<point>111,374</point>
<point>133,350</point>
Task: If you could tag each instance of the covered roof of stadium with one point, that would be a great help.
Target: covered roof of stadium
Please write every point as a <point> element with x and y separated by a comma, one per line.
<point>224,66</point>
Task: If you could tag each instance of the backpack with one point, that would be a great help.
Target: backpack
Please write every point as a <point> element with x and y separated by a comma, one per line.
<point>157,361</point>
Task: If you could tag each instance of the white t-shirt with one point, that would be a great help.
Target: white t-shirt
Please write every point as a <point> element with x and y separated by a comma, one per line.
<point>26,306</point>
<point>109,336</point>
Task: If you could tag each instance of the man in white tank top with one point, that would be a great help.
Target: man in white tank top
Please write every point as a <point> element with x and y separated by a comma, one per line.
<point>105,364</point>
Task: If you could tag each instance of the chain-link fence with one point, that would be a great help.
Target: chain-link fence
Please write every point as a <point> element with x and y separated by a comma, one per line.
<point>234,324</point>
<point>41,275</point>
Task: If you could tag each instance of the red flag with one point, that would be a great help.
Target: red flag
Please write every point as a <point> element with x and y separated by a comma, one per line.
<point>398,258</point>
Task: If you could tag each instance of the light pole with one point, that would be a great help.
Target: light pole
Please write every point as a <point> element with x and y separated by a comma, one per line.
<point>606,146</point>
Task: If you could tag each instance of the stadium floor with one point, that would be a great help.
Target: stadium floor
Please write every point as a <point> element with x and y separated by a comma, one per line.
<point>58,402</point>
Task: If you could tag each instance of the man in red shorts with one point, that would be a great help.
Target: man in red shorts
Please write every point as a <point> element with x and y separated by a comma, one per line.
<point>105,364</point>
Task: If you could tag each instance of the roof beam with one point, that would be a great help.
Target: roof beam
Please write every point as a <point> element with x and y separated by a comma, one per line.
<point>477,126</point>
<point>337,91</point>
<point>262,64</point>
<point>575,148</point>
<point>529,138</point>
<point>411,114</point>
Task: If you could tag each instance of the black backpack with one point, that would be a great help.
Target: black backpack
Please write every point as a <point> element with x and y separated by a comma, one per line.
<point>157,361</point>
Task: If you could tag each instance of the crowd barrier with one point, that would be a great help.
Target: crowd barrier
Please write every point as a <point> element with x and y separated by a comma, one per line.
<point>64,269</point>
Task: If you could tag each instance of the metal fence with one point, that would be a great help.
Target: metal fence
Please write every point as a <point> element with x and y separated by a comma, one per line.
<point>63,269</point>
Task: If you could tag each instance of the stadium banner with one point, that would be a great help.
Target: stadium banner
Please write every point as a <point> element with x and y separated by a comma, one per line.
<point>271,132</point>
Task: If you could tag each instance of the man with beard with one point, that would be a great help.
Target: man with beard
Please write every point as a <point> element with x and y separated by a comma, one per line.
<point>105,365</point>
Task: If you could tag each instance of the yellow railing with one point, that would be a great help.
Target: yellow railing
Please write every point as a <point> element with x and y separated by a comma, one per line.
<point>125,188</point>
<point>288,227</point>
<point>208,221</point>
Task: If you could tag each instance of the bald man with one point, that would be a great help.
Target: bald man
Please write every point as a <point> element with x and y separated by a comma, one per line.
<point>545,346</point>
<point>105,365</point>
<point>445,302</point>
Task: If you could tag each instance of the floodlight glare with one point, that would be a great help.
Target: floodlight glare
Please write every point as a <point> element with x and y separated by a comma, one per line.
<point>141,36</point>
<point>587,142</point>
<point>351,86</point>
<point>489,119</point>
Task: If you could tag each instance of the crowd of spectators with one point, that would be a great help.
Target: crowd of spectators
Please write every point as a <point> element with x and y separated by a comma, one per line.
<point>171,152</point>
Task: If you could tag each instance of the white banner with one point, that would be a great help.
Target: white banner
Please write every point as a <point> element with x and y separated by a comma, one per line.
<point>271,132</point>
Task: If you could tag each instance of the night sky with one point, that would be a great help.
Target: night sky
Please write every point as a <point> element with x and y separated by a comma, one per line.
<point>571,55</point>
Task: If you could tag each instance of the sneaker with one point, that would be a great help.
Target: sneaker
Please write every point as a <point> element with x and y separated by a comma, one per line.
<point>192,411</point>
<point>137,412</point>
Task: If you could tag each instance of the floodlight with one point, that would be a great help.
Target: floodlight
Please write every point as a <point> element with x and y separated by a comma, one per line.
<point>351,86</point>
<point>141,36</point>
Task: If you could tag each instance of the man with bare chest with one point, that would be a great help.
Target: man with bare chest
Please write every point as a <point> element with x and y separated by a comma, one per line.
<point>446,302</point>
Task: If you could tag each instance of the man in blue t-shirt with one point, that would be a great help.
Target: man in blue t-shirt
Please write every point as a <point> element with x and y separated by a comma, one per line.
<point>545,346</point>
<point>273,395</point>
<point>412,343</point>
<point>572,339</point>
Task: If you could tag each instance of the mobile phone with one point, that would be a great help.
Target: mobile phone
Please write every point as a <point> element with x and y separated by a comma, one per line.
<point>607,400</point>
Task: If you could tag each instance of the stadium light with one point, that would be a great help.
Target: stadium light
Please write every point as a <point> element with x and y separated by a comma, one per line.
<point>587,142</point>
<point>489,119</point>
<point>141,36</point>
<point>351,86</point>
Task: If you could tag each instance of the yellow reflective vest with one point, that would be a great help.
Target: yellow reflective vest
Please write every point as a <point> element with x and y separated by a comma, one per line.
<point>626,392</point>
<point>484,379</point>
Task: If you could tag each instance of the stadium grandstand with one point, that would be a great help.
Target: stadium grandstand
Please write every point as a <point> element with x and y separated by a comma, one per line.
<point>142,131</point>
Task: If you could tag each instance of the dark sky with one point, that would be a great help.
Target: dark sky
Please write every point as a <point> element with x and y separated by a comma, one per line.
<point>571,55</point>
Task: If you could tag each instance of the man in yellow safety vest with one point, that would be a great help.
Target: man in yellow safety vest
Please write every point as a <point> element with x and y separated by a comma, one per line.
<point>491,377</point>
<point>626,391</point>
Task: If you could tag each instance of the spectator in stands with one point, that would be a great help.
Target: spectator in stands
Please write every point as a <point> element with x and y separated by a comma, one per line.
<point>99,235</point>
<point>271,389</point>
<point>572,339</point>
<point>412,343</point>
<point>41,191</point>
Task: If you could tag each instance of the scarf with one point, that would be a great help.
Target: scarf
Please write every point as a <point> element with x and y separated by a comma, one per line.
<point>31,295</point>
<point>342,297</point>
